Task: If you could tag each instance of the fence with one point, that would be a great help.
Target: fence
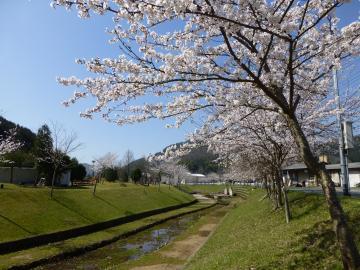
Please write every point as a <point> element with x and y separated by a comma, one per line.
<point>18,175</point>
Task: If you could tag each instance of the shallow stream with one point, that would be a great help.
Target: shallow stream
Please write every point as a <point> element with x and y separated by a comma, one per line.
<point>131,248</point>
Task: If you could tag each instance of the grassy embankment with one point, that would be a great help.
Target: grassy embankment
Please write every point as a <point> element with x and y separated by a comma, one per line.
<point>252,236</point>
<point>82,242</point>
<point>30,211</point>
<point>203,188</point>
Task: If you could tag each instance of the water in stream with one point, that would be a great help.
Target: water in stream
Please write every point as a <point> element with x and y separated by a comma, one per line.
<point>130,248</point>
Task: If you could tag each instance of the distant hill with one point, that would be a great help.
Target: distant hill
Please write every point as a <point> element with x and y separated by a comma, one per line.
<point>89,169</point>
<point>199,160</point>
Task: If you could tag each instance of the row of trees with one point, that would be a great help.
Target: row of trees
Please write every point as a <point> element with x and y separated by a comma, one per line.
<point>142,170</point>
<point>48,151</point>
<point>227,61</point>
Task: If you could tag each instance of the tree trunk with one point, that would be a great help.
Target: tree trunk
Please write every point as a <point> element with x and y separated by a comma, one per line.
<point>274,195</point>
<point>94,190</point>
<point>159,181</point>
<point>53,182</point>
<point>278,190</point>
<point>349,252</point>
<point>286,205</point>
<point>284,193</point>
<point>268,191</point>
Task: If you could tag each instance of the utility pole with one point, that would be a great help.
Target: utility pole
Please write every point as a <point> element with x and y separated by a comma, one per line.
<point>344,176</point>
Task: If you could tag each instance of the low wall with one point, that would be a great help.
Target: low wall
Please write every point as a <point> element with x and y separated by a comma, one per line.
<point>20,175</point>
<point>43,239</point>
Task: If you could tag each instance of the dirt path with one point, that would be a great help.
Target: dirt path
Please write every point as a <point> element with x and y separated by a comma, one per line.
<point>183,249</point>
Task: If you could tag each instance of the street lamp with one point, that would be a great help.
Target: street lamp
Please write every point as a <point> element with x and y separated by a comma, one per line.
<point>345,131</point>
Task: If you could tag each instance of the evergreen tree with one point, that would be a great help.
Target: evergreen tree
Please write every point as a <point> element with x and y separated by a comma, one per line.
<point>43,143</point>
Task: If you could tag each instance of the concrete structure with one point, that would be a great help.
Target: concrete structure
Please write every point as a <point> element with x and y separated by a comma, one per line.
<point>65,179</point>
<point>18,175</point>
<point>197,178</point>
<point>300,175</point>
<point>28,176</point>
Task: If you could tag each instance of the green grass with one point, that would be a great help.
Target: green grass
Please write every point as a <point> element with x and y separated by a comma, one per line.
<point>210,216</point>
<point>27,211</point>
<point>53,249</point>
<point>206,189</point>
<point>253,236</point>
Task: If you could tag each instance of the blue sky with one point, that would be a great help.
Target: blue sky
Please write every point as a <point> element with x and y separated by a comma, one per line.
<point>37,44</point>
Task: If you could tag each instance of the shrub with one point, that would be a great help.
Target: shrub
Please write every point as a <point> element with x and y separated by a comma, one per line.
<point>110,174</point>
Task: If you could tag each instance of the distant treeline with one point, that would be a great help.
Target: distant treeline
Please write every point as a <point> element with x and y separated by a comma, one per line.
<point>32,153</point>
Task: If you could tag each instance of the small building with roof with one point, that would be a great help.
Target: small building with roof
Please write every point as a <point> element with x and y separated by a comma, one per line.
<point>299,174</point>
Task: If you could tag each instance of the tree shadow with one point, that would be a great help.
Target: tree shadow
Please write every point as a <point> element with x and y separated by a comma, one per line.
<point>107,202</point>
<point>14,223</point>
<point>73,210</point>
<point>128,213</point>
<point>314,247</point>
<point>305,205</point>
<point>72,187</point>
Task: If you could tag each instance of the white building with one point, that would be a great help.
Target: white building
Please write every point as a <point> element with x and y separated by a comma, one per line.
<point>299,174</point>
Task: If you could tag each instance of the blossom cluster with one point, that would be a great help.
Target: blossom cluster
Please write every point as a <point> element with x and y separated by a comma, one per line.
<point>243,69</point>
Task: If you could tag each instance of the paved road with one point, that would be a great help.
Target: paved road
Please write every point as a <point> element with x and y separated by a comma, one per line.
<point>355,192</point>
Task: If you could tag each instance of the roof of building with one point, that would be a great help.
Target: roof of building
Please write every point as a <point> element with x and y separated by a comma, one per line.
<point>302,166</point>
<point>352,165</point>
<point>295,166</point>
<point>196,174</point>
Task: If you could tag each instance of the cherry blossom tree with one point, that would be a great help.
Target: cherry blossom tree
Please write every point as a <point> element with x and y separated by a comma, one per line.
<point>109,160</point>
<point>254,147</point>
<point>127,159</point>
<point>275,56</point>
<point>63,143</point>
<point>171,168</point>
<point>8,143</point>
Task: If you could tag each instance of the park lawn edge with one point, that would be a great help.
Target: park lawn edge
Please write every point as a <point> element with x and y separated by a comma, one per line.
<point>254,236</point>
<point>29,211</point>
<point>75,246</point>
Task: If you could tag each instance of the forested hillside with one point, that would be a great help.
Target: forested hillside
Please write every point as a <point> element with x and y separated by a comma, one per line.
<point>22,157</point>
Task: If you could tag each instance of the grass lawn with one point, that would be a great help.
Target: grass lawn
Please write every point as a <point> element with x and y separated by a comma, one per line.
<point>27,211</point>
<point>252,236</point>
<point>203,188</point>
<point>53,249</point>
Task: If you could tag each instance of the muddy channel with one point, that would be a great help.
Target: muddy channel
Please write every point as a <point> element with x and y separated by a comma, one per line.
<point>130,248</point>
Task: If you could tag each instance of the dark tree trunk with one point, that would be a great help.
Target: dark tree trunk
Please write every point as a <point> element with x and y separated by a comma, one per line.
<point>274,195</point>
<point>53,182</point>
<point>286,205</point>
<point>284,193</point>
<point>268,191</point>
<point>278,190</point>
<point>349,252</point>
<point>94,190</point>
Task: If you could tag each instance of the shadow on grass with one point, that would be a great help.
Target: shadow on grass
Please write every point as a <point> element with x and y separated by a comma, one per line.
<point>176,199</point>
<point>305,204</point>
<point>74,187</point>
<point>128,213</point>
<point>14,223</point>
<point>108,203</point>
<point>73,210</point>
<point>315,247</point>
